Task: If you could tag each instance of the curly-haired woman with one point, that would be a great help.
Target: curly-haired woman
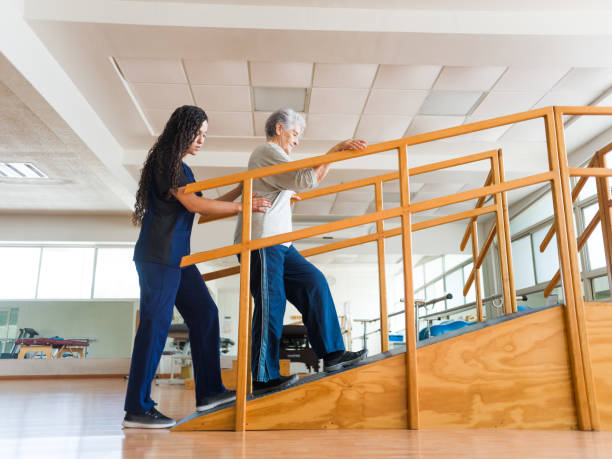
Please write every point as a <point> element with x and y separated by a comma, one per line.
<point>165,214</point>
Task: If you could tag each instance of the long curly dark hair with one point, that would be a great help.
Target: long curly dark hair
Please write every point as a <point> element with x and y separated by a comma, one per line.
<point>167,153</point>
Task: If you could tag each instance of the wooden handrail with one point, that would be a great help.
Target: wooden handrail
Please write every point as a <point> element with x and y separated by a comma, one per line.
<point>332,189</point>
<point>373,149</point>
<point>338,245</point>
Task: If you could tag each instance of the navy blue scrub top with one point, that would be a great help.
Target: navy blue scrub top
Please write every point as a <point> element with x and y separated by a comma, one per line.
<point>166,226</point>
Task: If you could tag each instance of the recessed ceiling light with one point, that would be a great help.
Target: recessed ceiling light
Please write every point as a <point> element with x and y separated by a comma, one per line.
<point>450,102</point>
<point>271,99</point>
<point>21,170</point>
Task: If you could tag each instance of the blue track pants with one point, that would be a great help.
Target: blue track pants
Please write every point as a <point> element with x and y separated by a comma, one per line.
<point>162,287</point>
<point>278,274</point>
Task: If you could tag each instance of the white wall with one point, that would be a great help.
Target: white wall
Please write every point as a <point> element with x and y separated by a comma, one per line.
<point>67,228</point>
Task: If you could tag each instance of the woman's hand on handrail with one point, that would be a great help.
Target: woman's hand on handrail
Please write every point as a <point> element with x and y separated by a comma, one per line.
<point>348,144</point>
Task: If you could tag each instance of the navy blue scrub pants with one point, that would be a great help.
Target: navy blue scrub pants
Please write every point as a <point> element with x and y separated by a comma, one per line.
<point>278,274</point>
<point>161,287</point>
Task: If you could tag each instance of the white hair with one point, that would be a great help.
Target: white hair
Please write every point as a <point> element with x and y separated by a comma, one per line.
<point>287,118</point>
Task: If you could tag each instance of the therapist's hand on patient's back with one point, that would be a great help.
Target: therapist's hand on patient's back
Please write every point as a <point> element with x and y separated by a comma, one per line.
<point>260,204</point>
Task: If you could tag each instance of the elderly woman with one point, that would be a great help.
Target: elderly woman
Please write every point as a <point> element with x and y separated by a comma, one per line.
<point>279,273</point>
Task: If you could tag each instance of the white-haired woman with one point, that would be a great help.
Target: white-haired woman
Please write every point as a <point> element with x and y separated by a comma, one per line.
<point>279,273</point>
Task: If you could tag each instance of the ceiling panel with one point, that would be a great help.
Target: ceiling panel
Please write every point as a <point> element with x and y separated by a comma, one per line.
<point>281,74</point>
<point>468,78</point>
<point>331,127</point>
<point>344,75</point>
<point>223,98</point>
<point>450,103</point>
<point>158,118</point>
<point>583,128</point>
<point>441,188</point>
<point>395,102</point>
<point>235,124</point>
<point>527,131</point>
<point>152,70</point>
<point>271,99</point>
<point>378,128</point>
<point>505,103</point>
<point>260,123</point>
<point>425,123</point>
<point>340,101</point>
<point>583,97</point>
<point>313,207</point>
<point>485,135</point>
<point>530,78</point>
<point>407,76</point>
<point>361,195</point>
<point>350,208</point>
<point>597,80</point>
<point>221,73</point>
<point>162,95</point>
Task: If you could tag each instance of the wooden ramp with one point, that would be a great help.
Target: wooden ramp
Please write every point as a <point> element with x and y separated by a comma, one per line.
<point>512,372</point>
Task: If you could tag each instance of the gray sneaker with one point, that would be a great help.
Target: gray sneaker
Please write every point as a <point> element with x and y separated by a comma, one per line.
<point>152,419</point>
<point>210,402</point>
<point>344,360</point>
<point>284,382</point>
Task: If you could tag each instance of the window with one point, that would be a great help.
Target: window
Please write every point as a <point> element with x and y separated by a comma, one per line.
<point>547,262</point>
<point>454,286</point>
<point>453,260</point>
<point>435,290</point>
<point>595,247</point>
<point>522,261</point>
<point>417,275</point>
<point>66,272</point>
<point>18,272</point>
<point>590,189</point>
<point>116,275</point>
<point>433,269</point>
<point>471,295</point>
<point>601,288</point>
<point>539,210</point>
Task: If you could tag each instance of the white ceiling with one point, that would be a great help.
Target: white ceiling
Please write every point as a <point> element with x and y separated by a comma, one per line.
<point>376,71</point>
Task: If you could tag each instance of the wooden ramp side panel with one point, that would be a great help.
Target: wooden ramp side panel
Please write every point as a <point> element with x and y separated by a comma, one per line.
<point>599,329</point>
<point>513,375</point>
<point>371,396</point>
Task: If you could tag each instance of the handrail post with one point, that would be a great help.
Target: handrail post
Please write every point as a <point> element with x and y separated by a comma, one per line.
<point>501,241</point>
<point>243,322</point>
<point>382,276</point>
<point>603,196</point>
<point>506,218</point>
<point>412,387</point>
<point>586,409</point>
<point>474,230</point>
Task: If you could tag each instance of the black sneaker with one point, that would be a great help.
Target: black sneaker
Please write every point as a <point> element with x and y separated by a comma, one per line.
<point>344,359</point>
<point>152,419</point>
<point>274,384</point>
<point>207,403</point>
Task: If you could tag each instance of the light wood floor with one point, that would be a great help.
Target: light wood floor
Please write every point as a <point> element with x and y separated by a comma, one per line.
<point>81,418</point>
